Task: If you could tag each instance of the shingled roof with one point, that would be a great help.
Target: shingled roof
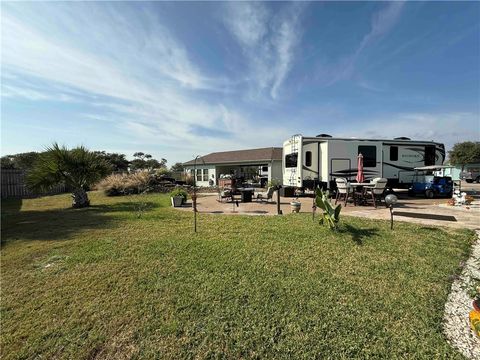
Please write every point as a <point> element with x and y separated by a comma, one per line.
<point>240,156</point>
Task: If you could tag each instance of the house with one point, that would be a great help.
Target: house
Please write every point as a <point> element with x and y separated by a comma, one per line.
<point>251,164</point>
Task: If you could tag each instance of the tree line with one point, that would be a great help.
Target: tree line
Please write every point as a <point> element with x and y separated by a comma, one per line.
<point>116,162</point>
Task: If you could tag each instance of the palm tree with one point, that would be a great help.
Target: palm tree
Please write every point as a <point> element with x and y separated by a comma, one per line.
<point>77,168</point>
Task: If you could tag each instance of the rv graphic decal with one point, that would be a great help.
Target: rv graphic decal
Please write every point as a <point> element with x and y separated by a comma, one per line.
<point>352,172</point>
<point>399,167</point>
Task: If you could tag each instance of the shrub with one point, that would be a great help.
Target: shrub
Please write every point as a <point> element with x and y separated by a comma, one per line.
<point>179,192</point>
<point>124,184</point>
<point>163,172</point>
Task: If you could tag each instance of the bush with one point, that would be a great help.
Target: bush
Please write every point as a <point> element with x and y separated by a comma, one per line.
<point>163,172</point>
<point>179,192</point>
<point>124,184</point>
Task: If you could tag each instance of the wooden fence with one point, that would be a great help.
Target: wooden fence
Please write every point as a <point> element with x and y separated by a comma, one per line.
<point>13,185</point>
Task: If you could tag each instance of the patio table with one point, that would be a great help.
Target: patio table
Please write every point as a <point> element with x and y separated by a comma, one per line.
<point>362,187</point>
<point>247,194</point>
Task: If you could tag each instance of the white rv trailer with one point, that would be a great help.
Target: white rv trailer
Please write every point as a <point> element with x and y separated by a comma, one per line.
<point>309,162</point>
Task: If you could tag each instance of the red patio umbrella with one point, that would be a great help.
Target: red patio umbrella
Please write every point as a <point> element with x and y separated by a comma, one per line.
<point>360,177</point>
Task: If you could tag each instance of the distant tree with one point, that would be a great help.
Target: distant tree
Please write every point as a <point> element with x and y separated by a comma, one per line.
<point>78,168</point>
<point>139,155</point>
<point>177,167</point>
<point>22,161</point>
<point>465,153</point>
<point>117,161</point>
<point>144,161</point>
<point>152,164</point>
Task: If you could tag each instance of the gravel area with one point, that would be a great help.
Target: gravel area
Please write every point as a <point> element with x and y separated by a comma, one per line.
<point>458,306</point>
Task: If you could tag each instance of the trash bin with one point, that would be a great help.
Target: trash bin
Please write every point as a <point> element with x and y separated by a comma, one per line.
<point>246,196</point>
<point>287,191</point>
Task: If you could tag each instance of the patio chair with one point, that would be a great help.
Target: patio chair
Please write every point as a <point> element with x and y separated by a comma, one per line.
<point>344,190</point>
<point>266,196</point>
<point>224,194</point>
<point>377,190</point>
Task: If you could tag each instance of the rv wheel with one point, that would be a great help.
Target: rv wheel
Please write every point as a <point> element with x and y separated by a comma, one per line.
<point>429,194</point>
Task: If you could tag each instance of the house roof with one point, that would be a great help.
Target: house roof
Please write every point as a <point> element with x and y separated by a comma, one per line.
<point>240,156</point>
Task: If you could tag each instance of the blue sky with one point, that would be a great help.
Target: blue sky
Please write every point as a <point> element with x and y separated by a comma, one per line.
<point>181,79</point>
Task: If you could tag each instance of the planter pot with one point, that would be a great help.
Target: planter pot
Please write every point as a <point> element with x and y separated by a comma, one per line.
<point>295,206</point>
<point>476,304</point>
<point>177,201</point>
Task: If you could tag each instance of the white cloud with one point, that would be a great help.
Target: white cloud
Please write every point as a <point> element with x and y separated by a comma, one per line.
<point>268,41</point>
<point>145,83</point>
<point>10,91</point>
<point>248,22</point>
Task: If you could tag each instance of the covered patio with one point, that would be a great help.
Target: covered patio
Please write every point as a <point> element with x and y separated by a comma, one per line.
<point>255,166</point>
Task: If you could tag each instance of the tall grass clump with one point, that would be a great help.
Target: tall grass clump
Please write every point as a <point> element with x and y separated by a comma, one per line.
<point>125,184</point>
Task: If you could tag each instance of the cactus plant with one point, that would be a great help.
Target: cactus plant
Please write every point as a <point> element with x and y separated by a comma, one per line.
<point>331,214</point>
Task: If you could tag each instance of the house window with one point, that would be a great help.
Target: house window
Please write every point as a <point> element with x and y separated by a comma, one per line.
<point>308,158</point>
<point>369,155</point>
<point>199,174</point>
<point>291,160</point>
<point>393,153</point>
<point>264,168</point>
<point>205,174</point>
<point>429,155</point>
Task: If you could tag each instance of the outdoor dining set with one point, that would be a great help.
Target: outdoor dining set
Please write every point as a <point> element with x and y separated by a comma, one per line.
<point>244,194</point>
<point>360,192</point>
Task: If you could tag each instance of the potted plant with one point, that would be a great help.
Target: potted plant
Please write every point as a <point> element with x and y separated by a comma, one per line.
<point>295,205</point>
<point>178,197</point>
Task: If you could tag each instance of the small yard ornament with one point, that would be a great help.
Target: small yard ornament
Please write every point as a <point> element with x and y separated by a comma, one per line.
<point>460,198</point>
<point>391,200</point>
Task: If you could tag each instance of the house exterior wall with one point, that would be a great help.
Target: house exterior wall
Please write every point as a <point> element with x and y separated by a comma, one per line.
<point>202,177</point>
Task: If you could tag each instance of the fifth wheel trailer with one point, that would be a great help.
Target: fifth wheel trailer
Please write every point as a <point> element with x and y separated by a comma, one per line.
<point>309,162</point>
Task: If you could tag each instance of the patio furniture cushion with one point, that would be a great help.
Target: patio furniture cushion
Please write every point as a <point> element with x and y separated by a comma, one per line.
<point>266,195</point>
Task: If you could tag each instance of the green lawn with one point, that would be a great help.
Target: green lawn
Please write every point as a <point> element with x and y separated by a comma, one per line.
<point>102,283</point>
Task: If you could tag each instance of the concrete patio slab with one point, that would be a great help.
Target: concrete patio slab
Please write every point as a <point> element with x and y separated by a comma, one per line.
<point>432,212</point>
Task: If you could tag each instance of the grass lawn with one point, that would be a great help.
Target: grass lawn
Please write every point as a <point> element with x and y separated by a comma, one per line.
<point>102,283</point>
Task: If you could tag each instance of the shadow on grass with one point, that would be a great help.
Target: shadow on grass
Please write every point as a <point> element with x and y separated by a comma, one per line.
<point>60,224</point>
<point>11,206</point>
<point>357,234</point>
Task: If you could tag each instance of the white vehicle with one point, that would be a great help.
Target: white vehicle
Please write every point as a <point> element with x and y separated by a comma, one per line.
<point>312,161</point>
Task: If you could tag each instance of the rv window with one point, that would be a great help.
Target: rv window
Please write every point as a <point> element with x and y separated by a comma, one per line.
<point>291,160</point>
<point>393,153</point>
<point>429,155</point>
<point>369,155</point>
<point>308,158</point>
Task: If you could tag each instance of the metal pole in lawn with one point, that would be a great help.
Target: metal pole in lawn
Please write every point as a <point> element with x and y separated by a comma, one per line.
<point>194,196</point>
<point>279,211</point>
